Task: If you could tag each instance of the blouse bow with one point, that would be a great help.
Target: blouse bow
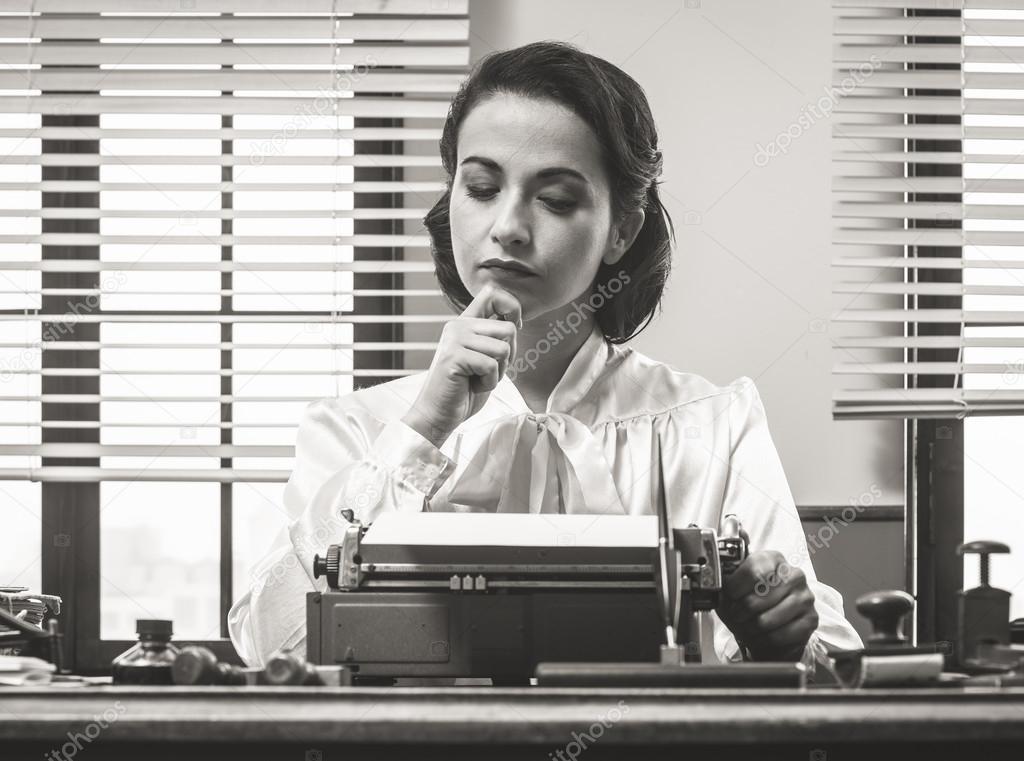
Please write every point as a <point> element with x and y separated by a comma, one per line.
<point>553,454</point>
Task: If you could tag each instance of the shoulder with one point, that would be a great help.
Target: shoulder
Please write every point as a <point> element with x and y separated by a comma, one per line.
<point>641,385</point>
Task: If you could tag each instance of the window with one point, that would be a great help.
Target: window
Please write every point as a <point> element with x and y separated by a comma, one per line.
<point>930,227</point>
<point>211,220</point>
<point>994,122</point>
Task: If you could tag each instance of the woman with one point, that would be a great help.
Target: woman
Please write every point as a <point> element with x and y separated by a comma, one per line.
<point>553,246</point>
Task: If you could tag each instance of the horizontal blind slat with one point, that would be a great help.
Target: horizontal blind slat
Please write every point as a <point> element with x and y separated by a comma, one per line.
<point>932,211</point>
<point>88,186</point>
<point>85,212</point>
<point>420,80</point>
<point>86,159</point>
<point>967,316</point>
<point>92,239</point>
<point>918,368</point>
<point>223,54</point>
<point>362,346</point>
<point>93,265</point>
<point>928,289</point>
<point>927,342</point>
<point>86,474</point>
<point>145,450</point>
<point>405,134</point>
<point>925,262</point>
<point>213,317</point>
<point>375,108</point>
<point>172,7</point>
<point>88,27</point>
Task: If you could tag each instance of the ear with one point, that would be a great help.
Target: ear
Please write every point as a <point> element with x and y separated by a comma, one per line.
<point>623,234</point>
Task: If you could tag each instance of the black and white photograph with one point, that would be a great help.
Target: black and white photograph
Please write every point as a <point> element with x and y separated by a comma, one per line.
<point>513,379</point>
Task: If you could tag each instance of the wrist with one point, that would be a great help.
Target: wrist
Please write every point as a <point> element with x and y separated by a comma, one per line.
<point>429,430</point>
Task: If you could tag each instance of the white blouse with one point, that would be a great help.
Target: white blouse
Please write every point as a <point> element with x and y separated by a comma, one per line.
<point>590,451</point>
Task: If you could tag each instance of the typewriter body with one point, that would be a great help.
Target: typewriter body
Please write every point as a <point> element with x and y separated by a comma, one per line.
<point>494,595</point>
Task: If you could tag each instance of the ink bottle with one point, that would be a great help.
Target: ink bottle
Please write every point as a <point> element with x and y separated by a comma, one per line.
<point>149,660</point>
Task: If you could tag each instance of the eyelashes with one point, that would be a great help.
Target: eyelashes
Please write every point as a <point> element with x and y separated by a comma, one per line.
<point>480,194</point>
<point>557,205</point>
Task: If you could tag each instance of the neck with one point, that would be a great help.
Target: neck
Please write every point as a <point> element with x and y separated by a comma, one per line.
<point>545,346</point>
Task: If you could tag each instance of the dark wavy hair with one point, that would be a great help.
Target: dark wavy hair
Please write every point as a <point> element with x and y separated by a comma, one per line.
<point>616,109</point>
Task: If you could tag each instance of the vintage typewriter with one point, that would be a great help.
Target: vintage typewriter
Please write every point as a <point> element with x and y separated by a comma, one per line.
<point>568,599</point>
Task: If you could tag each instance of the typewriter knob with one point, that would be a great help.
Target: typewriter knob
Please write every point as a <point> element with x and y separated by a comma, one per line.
<point>328,566</point>
<point>885,610</point>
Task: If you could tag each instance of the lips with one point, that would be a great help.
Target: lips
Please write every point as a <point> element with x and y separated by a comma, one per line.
<point>507,266</point>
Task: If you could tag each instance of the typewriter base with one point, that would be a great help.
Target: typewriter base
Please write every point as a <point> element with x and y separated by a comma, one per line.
<point>692,675</point>
<point>497,635</point>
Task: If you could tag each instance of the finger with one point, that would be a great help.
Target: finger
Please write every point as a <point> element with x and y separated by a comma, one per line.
<point>492,347</point>
<point>790,608</point>
<point>513,346</point>
<point>795,633</point>
<point>769,591</point>
<point>481,370</point>
<point>494,328</point>
<point>492,300</point>
<point>502,329</point>
<point>751,573</point>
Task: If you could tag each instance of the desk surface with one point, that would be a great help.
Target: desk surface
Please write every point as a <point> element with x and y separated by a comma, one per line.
<point>539,718</point>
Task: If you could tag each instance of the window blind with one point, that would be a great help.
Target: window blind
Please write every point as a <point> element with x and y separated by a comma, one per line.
<point>928,194</point>
<point>210,218</point>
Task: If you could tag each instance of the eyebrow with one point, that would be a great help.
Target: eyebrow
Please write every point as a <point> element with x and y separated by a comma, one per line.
<point>543,173</point>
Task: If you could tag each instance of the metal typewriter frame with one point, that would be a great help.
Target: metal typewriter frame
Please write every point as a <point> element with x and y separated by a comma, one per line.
<point>371,587</point>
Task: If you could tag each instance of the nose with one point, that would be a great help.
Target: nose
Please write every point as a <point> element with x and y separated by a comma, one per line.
<point>511,226</point>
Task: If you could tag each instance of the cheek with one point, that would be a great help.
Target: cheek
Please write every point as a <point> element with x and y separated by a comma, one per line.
<point>575,250</point>
<point>468,229</point>
<point>458,220</point>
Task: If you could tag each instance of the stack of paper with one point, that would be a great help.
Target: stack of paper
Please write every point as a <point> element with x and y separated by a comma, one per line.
<point>28,606</point>
<point>18,671</point>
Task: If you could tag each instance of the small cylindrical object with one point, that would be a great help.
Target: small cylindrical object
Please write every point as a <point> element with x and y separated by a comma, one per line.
<point>197,665</point>
<point>287,669</point>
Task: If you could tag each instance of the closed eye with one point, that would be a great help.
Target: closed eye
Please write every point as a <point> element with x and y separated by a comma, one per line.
<point>483,193</point>
<point>559,204</point>
<point>478,192</point>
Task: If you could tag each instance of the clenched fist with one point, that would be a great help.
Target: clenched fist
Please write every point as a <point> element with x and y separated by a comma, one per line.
<point>768,606</point>
<point>472,356</point>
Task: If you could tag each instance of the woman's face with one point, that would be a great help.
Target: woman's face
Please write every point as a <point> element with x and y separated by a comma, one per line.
<point>530,188</point>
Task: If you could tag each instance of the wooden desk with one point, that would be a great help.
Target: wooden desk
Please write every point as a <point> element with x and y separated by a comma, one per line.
<point>324,724</point>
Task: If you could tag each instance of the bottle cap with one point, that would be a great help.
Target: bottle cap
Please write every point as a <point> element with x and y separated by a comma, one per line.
<point>154,627</point>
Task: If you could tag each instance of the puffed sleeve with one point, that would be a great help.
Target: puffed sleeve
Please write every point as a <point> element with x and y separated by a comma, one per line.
<point>758,493</point>
<point>344,459</point>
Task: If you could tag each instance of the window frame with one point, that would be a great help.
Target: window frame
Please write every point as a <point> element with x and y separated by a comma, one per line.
<point>934,526</point>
